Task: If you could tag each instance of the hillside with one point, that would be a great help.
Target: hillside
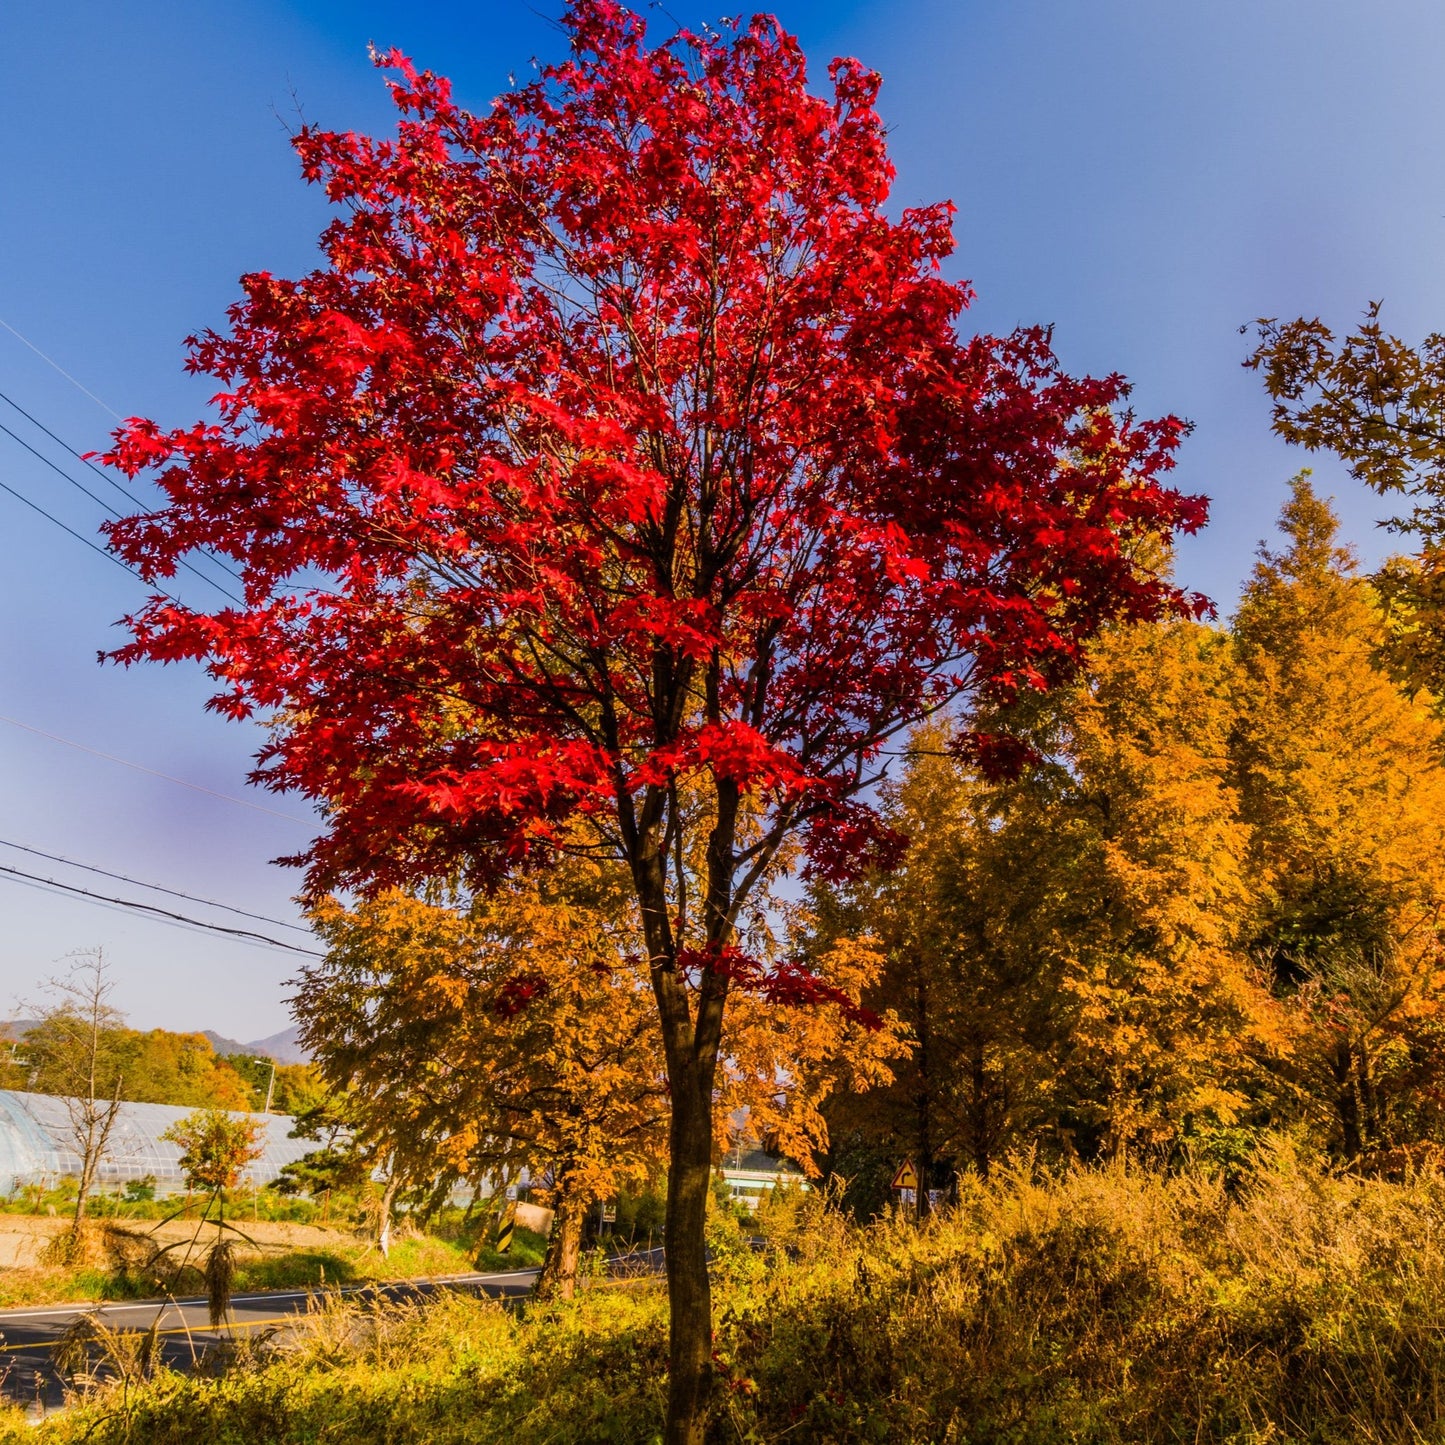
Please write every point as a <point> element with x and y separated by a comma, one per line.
<point>283,1046</point>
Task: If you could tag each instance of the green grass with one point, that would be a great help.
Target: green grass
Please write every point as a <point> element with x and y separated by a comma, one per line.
<point>411,1257</point>
<point>1092,1308</point>
<point>266,1204</point>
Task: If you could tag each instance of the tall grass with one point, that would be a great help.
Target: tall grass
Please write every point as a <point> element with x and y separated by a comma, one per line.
<point>1090,1306</point>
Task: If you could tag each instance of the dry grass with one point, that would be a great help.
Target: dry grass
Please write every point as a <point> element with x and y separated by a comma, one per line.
<point>1098,1307</point>
<point>118,1260</point>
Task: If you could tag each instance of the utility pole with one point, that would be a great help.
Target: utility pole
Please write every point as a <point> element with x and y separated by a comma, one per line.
<point>271,1084</point>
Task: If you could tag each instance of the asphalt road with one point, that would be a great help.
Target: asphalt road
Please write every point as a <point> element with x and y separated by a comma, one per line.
<point>185,1334</point>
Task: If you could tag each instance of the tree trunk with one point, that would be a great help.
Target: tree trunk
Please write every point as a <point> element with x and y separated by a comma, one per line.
<point>89,1163</point>
<point>689,1291</point>
<point>383,1223</point>
<point>558,1279</point>
<point>78,1222</point>
<point>691,1040</point>
<point>924,1059</point>
<point>980,1123</point>
<point>1347,1101</point>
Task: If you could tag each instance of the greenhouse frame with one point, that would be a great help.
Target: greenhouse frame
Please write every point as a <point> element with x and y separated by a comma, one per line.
<point>37,1145</point>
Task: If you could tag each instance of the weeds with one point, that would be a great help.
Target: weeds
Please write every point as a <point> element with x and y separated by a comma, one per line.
<point>1112,1307</point>
<point>124,1266</point>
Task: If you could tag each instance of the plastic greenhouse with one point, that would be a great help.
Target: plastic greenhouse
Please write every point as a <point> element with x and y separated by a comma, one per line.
<point>36,1146</point>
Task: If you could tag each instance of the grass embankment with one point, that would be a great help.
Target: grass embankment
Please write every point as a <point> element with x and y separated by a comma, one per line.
<point>1097,1307</point>
<point>120,1260</point>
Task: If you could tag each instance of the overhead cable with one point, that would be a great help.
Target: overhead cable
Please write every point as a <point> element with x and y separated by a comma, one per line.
<point>102,472</point>
<point>153,887</point>
<point>60,471</point>
<point>94,546</point>
<point>79,456</point>
<point>50,361</point>
<point>110,511</point>
<point>242,933</point>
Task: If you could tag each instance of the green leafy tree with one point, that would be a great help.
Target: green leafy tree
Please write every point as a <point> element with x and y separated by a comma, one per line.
<point>294,1089</point>
<point>1379,405</point>
<point>215,1149</point>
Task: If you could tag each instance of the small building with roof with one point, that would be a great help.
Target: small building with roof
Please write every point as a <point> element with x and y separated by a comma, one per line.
<point>37,1146</point>
<point>752,1173</point>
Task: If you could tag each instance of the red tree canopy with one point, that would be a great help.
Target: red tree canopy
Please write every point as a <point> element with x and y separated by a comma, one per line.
<point>622,440</point>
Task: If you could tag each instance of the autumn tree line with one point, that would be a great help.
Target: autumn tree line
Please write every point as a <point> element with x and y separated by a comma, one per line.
<point>1208,905</point>
<point>1202,905</point>
<point>1206,900</point>
<point>153,1066</point>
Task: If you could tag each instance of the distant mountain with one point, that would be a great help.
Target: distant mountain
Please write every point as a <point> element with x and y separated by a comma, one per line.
<point>284,1047</point>
<point>223,1045</point>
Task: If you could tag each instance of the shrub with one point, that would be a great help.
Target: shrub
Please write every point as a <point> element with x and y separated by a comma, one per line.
<point>1109,1307</point>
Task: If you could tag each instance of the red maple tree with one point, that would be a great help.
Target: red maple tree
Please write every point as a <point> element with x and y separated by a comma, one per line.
<point>624,469</point>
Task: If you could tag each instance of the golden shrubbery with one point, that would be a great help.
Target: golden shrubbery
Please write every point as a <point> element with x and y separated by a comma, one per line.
<point>1108,1306</point>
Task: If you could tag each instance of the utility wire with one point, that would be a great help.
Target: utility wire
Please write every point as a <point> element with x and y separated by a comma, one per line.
<point>153,887</point>
<point>85,541</point>
<point>60,471</point>
<point>79,456</point>
<point>242,933</point>
<point>101,472</point>
<point>50,361</point>
<point>110,511</point>
<point>155,773</point>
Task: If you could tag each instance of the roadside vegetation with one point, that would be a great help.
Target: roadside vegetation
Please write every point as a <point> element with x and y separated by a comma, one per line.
<point>1092,1305</point>
<point>281,1243</point>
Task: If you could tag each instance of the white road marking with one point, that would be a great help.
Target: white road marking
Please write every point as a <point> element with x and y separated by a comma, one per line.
<point>107,1307</point>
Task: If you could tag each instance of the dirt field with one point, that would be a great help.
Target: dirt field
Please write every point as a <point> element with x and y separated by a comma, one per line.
<point>24,1236</point>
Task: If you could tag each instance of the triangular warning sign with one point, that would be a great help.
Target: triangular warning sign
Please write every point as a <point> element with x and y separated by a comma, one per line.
<point>907,1176</point>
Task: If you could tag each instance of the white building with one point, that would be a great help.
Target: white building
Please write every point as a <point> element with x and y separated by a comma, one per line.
<point>753,1173</point>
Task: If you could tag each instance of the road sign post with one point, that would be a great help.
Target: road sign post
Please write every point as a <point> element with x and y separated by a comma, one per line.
<point>505,1230</point>
<point>905,1185</point>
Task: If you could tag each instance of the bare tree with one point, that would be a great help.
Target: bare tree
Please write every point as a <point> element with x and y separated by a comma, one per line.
<point>74,1046</point>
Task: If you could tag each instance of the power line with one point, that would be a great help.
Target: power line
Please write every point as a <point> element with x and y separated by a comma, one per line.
<point>155,773</point>
<point>101,472</point>
<point>50,361</point>
<point>154,887</point>
<point>79,456</point>
<point>242,933</point>
<point>60,471</point>
<point>94,547</point>
<point>110,511</point>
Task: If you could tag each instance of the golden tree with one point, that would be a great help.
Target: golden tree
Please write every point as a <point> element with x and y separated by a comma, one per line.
<point>1068,947</point>
<point>1342,785</point>
<point>518,1031</point>
<point>472,1041</point>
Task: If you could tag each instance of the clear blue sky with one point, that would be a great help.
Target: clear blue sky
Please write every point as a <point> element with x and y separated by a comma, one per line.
<point>1148,177</point>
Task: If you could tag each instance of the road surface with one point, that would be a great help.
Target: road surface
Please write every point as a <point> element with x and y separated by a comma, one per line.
<point>27,1335</point>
